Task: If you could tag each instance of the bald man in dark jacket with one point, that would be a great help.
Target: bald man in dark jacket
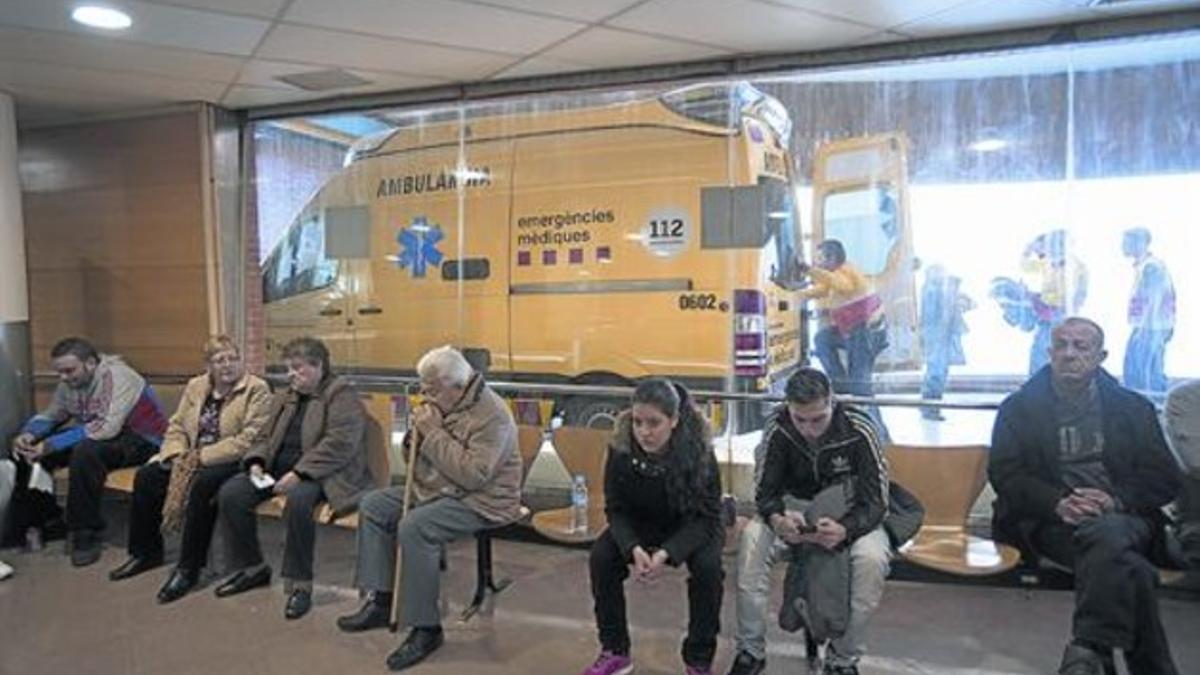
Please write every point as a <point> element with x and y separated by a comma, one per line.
<point>1081,471</point>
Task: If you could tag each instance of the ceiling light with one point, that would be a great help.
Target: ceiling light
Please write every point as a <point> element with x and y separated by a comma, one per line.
<point>988,145</point>
<point>98,16</point>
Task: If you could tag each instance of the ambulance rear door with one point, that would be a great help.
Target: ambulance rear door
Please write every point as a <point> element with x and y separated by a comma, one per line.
<point>860,197</point>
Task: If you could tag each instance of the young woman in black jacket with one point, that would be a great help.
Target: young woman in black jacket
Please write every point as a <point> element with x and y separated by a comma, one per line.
<point>662,498</point>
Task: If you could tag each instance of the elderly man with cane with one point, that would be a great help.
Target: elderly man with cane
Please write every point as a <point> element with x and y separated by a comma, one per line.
<point>464,474</point>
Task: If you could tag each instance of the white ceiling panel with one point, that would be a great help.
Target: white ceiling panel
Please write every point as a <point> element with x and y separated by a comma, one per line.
<point>246,96</point>
<point>1141,6</point>
<point>13,74</point>
<point>262,73</point>
<point>741,25</point>
<point>878,13</point>
<point>162,25</point>
<point>586,10</point>
<point>608,47</point>
<point>264,8</point>
<point>537,65</point>
<point>43,105</point>
<point>208,49</point>
<point>879,38</point>
<point>85,101</point>
<point>454,23</point>
<point>349,50</point>
<point>69,49</point>
<point>987,15</point>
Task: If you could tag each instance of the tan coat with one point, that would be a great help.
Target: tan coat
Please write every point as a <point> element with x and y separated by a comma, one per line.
<point>332,438</point>
<point>473,457</point>
<point>243,417</point>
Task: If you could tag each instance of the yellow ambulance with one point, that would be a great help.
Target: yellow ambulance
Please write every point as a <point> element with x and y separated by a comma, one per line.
<point>594,245</point>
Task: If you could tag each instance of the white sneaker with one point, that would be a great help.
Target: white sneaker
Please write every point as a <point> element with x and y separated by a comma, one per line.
<point>6,570</point>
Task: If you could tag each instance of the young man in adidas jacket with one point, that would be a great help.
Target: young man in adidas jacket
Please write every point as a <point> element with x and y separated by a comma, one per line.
<point>814,442</point>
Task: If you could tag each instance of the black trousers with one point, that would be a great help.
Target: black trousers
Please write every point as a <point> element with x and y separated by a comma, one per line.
<point>145,515</point>
<point>1115,586</point>
<point>90,461</point>
<point>237,500</point>
<point>705,584</point>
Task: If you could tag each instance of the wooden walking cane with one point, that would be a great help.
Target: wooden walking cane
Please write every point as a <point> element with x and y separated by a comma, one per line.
<point>409,470</point>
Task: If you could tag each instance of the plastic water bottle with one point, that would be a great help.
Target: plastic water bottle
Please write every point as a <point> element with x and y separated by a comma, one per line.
<point>579,503</point>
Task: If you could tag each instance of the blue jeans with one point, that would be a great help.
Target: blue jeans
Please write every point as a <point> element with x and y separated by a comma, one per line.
<point>1039,351</point>
<point>1144,355</point>
<point>855,377</point>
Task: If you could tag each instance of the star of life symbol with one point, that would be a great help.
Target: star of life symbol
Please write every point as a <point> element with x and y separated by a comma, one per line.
<point>418,246</point>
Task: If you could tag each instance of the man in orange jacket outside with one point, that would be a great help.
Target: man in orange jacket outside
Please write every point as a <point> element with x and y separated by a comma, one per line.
<point>852,319</point>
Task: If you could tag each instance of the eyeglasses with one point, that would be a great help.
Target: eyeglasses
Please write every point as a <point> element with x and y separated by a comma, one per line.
<point>225,359</point>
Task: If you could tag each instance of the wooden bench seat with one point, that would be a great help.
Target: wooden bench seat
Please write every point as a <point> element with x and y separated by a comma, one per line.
<point>948,480</point>
<point>121,480</point>
<point>582,451</point>
<point>529,444</point>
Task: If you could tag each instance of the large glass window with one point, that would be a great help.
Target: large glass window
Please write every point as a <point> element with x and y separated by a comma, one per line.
<point>1041,183</point>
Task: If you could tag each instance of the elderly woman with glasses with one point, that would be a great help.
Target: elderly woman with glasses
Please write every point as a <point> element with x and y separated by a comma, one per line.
<point>313,450</point>
<point>219,415</point>
<point>662,499</point>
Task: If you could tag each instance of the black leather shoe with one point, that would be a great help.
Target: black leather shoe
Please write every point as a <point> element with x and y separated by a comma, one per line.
<point>178,584</point>
<point>242,582</point>
<point>1081,660</point>
<point>746,664</point>
<point>421,642</point>
<point>373,614</point>
<point>133,567</point>
<point>85,549</point>
<point>298,604</point>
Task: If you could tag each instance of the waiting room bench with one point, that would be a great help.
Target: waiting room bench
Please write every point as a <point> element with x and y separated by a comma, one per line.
<point>584,451</point>
<point>948,480</point>
<point>121,480</point>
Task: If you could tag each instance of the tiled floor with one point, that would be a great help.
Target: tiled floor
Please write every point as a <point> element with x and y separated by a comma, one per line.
<point>56,619</point>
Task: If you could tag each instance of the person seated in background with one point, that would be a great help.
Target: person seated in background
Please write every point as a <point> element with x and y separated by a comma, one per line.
<point>8,476</point>
<point>466,477</point>
<point>220,414</point>
<point>1081,471</point>
<point>811,444</point>
<point>662,496</point>
<point>1182,427</point>
<point>103,416</point>
<point>851,319</point>
<point>313,449</point>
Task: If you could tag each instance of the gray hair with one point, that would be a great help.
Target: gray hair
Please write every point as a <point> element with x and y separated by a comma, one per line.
<point>446,365</point>
<point>1083,321</point>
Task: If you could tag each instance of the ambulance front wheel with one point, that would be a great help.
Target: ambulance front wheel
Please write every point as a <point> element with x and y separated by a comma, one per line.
<point>592,412</point>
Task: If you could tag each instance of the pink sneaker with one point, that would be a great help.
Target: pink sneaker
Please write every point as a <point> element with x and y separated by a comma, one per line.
<point>698,670</point>
<point>609,663</point>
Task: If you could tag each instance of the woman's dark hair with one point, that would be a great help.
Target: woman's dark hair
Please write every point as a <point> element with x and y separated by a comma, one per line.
<point>309,349</point>
<point>833,249</point>
<point>692,462</point>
